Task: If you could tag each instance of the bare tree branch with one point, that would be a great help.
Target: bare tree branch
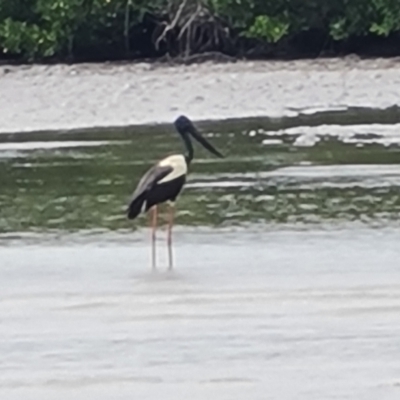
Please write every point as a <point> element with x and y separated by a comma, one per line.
<point>172,25</point>
<point>197,27</point>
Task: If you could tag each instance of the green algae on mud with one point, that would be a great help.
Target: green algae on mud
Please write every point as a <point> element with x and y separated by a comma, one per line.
<point>86,185</point>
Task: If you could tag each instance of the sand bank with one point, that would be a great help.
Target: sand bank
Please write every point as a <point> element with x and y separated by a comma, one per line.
<point>85,95</point>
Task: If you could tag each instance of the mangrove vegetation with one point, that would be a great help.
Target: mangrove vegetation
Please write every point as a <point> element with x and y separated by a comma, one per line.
<point>76,30</point>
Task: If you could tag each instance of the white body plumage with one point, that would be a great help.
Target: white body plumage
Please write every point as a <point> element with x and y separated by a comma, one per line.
<point>178,164</point>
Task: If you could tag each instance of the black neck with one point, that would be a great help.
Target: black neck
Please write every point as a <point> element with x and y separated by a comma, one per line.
<point>189,147</point>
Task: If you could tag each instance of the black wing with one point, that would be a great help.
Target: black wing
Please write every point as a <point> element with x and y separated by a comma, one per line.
<point>149,179</point>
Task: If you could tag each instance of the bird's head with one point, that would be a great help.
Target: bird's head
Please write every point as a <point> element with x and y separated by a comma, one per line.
<point>185,127</point>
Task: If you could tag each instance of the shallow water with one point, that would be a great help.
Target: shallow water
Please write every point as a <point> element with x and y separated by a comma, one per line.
<point>298,175</point>
<point>286,282</point>
<point>285,314</point>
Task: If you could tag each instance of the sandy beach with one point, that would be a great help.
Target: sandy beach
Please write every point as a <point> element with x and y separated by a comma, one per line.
<point>44,97</point>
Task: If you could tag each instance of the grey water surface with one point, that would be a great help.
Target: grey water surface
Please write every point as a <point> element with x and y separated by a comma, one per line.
<point>286,282</point>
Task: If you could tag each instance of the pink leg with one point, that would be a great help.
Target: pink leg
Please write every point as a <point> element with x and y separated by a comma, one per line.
<point>153,216</point>
<point>169,239</point>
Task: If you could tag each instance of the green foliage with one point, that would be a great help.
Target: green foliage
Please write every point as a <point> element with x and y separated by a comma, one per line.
<point>362,17</point>
<point>39,29</point>
<point>268,29</point>
<point>36,29</point>
<point>388,20</point>
<point>27,39</point>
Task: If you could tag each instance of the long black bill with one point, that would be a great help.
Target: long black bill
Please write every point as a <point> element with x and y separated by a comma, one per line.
<point>196,135</point>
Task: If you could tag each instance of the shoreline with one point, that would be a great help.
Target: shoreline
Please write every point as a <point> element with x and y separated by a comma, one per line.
<point>140,234</point>
<point>115,95</point>
<point>336,117</point>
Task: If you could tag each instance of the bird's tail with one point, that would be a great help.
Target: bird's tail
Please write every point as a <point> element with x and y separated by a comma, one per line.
<point>135,207</point>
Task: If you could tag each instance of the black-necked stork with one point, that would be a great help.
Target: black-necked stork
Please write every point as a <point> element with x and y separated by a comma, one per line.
<point>164,182</point>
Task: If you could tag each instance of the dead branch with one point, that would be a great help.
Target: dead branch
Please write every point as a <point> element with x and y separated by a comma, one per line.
<point>196,27</point>
<point>172,25</point>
